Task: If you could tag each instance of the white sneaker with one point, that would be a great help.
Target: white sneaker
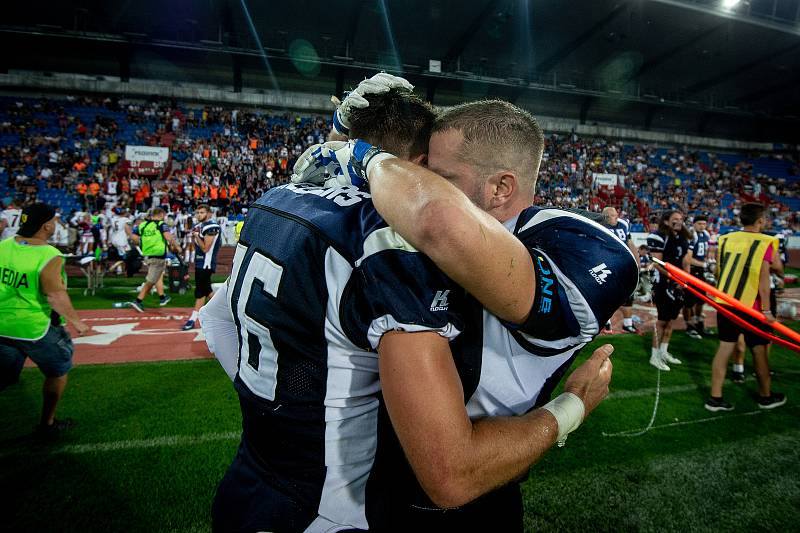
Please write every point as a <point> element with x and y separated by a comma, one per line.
<point>658,363</point>
<point>666,356</point>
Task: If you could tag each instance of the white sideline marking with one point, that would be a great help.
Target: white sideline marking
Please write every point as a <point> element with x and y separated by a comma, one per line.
<point>628,433</point>
<point>674,389</point>
<point>637,393</point>
<point>157,442</point>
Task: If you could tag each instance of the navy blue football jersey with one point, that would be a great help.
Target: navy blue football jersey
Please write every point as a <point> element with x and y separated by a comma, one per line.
<point>672,249</point>
<point>317,278</point>
<point>621,229</point>
<point>203,260</point>
<point>584,273</point>
<point>699,245</point>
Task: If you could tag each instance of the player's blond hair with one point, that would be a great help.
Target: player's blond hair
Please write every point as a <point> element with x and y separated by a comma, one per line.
<point>497,136</point>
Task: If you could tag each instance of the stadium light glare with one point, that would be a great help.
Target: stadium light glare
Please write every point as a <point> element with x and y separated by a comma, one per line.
<point>730,4</point>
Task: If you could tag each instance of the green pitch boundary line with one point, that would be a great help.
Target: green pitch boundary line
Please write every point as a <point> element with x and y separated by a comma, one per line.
<point>157,442</point>
<point>137,444</point>
<point>631,432</point>
<point>638,393</point>
<point>674,389</point>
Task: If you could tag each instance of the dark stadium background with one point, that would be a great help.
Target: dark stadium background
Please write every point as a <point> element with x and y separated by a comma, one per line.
<point>680,66</point>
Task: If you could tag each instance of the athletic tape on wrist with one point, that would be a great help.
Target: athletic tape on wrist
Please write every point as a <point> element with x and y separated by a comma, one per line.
<point>568,411</point>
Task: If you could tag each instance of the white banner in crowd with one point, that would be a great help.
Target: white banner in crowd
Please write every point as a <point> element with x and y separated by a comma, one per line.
<point>605,180</point>
<point>154,154</point>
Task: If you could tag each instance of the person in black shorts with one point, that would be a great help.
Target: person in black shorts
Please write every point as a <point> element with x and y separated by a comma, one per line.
<point>744,260</point>
<point>207,239</point>
<point>669,242</point>
<point>698,252</point>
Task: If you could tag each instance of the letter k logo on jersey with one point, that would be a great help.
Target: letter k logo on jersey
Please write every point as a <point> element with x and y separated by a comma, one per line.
<point>439,302</point>
<point>600,273</point>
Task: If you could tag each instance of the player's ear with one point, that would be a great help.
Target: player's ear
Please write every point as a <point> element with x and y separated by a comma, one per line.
<point>502,185</point>
<point>421,160</point>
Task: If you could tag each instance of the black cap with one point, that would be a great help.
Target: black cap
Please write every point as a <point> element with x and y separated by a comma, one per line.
<point>34,217</point>
<point>701,218</point>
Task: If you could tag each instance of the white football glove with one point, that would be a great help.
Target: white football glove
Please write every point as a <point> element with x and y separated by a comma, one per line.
<point>323,164</point>
<point>337,163</point>
<point>378,84</point>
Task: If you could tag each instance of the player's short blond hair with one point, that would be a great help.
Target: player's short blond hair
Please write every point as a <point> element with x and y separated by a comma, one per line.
<point>497,136</point>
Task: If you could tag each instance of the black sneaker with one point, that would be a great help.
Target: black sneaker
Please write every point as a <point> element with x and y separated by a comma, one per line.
<point>164,301</point>
<point>138,306</point>
<point>776,399</point>
<point>718,404</point>
<point>737,377</point>
<point>693,333</point>
<point>630,329</point>
<point>53,430</point>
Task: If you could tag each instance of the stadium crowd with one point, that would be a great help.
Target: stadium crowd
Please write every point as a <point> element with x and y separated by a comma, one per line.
<point>227,157</point>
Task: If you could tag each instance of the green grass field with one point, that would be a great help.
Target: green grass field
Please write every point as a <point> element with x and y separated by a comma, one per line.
<point>154,439</point>
<point>122,289</point>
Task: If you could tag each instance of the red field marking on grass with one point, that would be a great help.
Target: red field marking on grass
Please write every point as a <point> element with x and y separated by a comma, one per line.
<point>123,336</point>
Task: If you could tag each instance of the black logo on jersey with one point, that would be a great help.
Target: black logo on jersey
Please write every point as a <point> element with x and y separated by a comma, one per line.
<point>13,279</point>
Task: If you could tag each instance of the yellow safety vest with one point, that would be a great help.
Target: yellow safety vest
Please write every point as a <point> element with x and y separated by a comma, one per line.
<point>739,258</point>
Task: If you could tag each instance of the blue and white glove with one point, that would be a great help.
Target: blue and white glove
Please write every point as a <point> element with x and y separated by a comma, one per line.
<point>378,84</point>
<point>336,163</point>
<point>326,164</point>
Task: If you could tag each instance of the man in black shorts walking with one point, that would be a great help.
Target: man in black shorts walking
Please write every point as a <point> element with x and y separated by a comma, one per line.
<point>207,238</point>
<point>669,242</point>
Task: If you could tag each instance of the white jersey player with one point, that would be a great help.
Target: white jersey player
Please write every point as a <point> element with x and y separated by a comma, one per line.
<point>9,221</point>
<point>185,224</point>
<point>223,224</point>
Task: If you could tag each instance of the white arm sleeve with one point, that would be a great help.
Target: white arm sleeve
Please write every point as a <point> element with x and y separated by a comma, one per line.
<point>220,332</point>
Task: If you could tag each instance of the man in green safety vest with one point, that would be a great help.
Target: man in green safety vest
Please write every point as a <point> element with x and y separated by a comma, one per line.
<point>34,305</point>
<point>153,237</point>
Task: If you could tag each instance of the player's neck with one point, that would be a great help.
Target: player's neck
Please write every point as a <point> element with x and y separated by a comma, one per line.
<point>30,240</point>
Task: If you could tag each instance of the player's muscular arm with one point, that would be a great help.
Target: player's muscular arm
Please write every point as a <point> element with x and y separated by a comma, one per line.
<point>660,256</point>
<point>53,287</point>
<point>205,242</point>
<point>455,459</point>
<point>470,246</point>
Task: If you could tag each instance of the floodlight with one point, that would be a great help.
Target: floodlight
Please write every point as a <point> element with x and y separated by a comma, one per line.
<point>730,4</point>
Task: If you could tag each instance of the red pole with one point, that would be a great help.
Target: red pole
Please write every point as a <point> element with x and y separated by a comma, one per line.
<point>682,275</point>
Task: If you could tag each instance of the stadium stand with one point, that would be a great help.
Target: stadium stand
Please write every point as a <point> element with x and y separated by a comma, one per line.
<point>71,153</point>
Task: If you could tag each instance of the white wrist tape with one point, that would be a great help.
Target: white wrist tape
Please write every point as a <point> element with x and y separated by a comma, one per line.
<point>568,411</point>
<point>375,159</point>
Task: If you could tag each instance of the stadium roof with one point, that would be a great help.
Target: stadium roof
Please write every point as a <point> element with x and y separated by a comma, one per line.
<point>662,64</point>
